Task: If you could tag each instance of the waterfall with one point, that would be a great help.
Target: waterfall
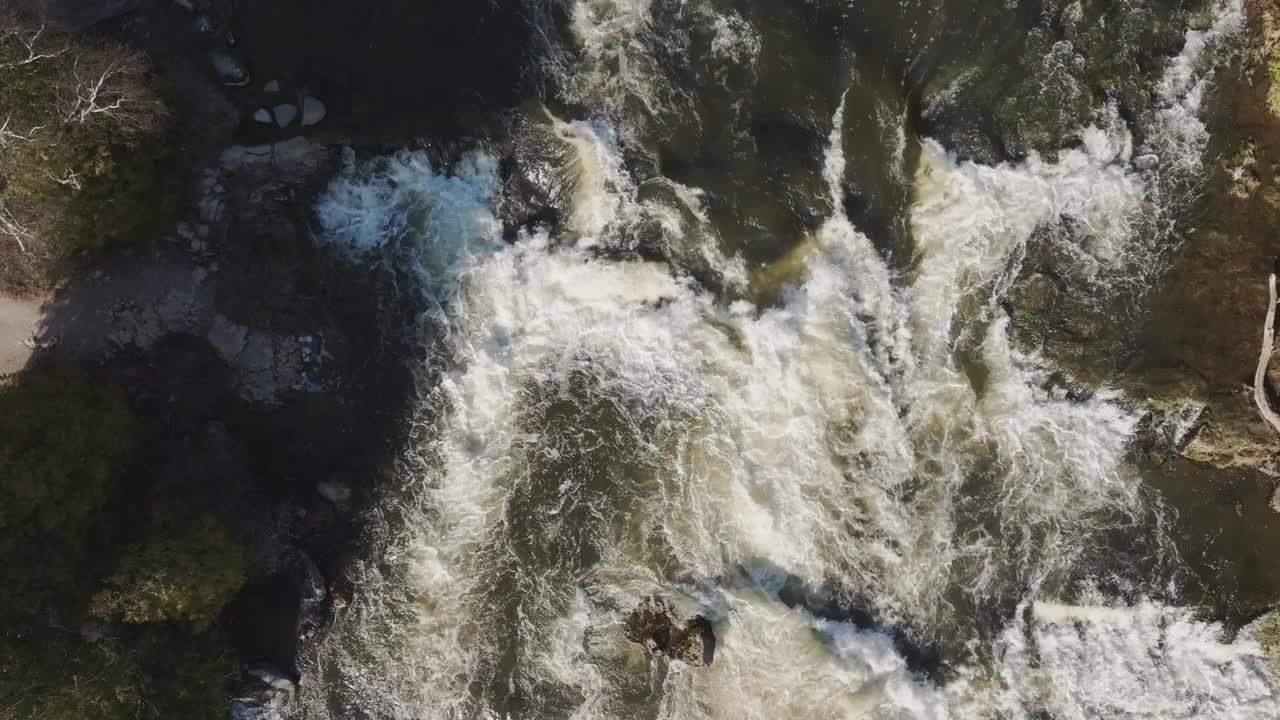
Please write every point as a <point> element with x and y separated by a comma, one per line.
<point>598,427</point>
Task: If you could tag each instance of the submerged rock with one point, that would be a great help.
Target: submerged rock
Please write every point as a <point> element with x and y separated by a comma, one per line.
<point>229,69</point>
<point>266,693</point>
<point>336,490</point>
<point>656,625</point>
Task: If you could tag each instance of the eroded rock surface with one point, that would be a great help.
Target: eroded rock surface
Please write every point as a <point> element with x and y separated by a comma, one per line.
<point>196,284</point>
<point>1207,319</point>
<point>656,625</point>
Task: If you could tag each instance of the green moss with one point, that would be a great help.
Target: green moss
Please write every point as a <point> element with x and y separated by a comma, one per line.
<point>183,570</point>
<point>1202,16</point>
<point>158,674</point>
<point>1273,63</point>
<point>1268,636</point>
<point>61,436</point>
<point>129,191</point>
<point>63,443</point>
<point>61,439</point>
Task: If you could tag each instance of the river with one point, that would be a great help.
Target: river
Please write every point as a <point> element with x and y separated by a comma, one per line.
<point>754,357</point>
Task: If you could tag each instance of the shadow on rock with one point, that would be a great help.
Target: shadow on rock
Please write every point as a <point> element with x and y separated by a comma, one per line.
<point>267,393</point>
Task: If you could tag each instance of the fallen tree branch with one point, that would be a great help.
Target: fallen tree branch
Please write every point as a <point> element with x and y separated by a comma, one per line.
<point>1264,359</point>
<point>72,179</point>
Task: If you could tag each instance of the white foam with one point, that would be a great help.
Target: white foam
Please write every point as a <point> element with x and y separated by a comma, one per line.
<point>971,221</point>
<point>620,72</point>
<point>1180,135</point>
<point>603,430</point>
<point>1100,662</point>
<point>814,667</point>
<point>773,437</point>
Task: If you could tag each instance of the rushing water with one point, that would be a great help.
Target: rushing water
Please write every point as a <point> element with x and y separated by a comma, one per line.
<point>708,381</point>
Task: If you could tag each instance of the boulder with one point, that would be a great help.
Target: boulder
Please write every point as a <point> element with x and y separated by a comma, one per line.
<point>286,114</point>
<point>263,116</point>
<point>313,595</point>
<point>656,625</point>
<point>313,111</point>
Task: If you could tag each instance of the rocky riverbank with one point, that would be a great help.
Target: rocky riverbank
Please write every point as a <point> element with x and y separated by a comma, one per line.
<point>1199,348</point>
<point>1202,342</point>
<point>268,380</point>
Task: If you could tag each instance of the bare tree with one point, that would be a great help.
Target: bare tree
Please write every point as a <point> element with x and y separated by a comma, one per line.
<point>108,85</point>
<point>28,42</point>
<point>14,229</point>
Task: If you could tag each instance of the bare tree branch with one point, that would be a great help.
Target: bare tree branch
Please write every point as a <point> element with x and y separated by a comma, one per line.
<point>10,226</point>
<point>72,179</point>
<point>1264,359</point>
<point>108,84</point>
<point>93,95</point>
<point>8,136</point>
<point>29,40</point>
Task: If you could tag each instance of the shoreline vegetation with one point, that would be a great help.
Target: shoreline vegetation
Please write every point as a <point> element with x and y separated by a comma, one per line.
<point>87,156</point>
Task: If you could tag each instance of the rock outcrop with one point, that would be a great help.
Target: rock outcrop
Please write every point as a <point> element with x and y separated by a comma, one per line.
<point>188,287</point>
<point>656,625</point>
<point>1207,319</point>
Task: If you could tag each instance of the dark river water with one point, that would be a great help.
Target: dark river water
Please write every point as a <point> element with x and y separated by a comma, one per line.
<point>724,319</point>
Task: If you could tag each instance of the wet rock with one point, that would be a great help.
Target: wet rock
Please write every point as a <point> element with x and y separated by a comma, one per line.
<point>285,114</point>
<point>265,693</point>
<point>293,162</point>
<point>656,625</point>
<point>313,597</point>
<point>1242,170</point>
<point>1146,162</point>
<point>263,116</point>
<point>229,69</point>
<point>199,102</point>
<point>313,111</point>
<point>1044,111</point>
<point>1233,436</point>
<point>266,365</point>
<point>336,490</point>
<point>531,176</point>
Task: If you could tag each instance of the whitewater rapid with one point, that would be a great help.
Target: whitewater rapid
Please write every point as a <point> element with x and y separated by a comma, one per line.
<point>597,428</point>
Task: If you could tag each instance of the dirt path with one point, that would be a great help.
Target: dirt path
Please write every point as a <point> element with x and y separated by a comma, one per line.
<point>19,320</point>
